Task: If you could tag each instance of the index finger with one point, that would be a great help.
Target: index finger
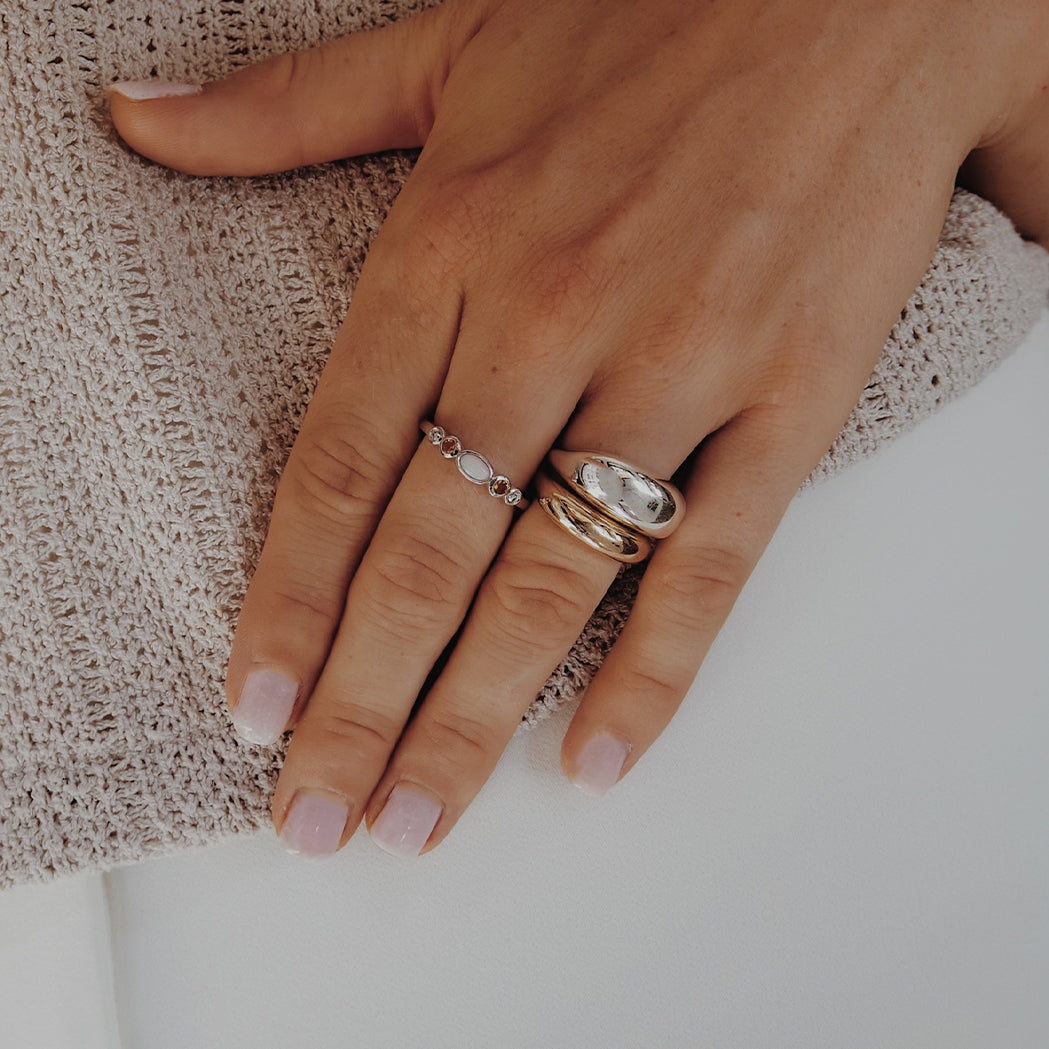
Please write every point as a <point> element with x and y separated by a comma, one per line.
<point>359,433</point>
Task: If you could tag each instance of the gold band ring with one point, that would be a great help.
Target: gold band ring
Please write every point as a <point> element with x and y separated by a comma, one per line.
<point>587,524</point>
<point>639,502</point>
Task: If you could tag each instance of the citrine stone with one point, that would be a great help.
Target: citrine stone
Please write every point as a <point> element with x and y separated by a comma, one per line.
<point>500,486</point>
<point>450,447</point>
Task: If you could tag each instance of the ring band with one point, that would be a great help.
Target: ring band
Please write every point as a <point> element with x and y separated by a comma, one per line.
<point>472,465</point>
<point>639,502</point>
<point>580,519</point>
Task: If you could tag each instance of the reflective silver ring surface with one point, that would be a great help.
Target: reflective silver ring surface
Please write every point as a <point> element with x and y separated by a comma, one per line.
<point>472,465</point>
<point>639,502</point>
<point>587,524</point>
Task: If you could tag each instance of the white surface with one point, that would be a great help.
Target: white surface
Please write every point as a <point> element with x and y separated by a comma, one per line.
<point>840,842</point>
<point>56,987</point>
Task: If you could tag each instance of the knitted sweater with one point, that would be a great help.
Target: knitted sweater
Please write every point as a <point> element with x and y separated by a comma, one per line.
<point>161,338</point>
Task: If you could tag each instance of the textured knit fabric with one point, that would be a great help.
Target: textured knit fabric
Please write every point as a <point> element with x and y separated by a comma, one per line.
<point>161,338</point>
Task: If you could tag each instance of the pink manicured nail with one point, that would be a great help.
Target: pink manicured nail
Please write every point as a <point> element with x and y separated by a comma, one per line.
<point>600,764</point>
<point>144,90</point>
<point>314,825</point>
<point>405,823</point>
<point>265,704</point>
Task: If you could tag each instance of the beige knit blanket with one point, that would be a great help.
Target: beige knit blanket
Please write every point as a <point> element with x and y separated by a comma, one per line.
<point>161,336</point>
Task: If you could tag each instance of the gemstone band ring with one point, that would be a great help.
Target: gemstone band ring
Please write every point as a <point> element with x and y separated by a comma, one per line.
<point>472,465</point>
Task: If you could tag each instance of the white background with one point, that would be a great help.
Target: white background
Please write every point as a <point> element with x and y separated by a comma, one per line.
<point>842,840</point>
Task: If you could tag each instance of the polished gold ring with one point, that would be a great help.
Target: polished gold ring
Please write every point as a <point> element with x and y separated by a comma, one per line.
<point>587,524</point>
<point>639,502</point>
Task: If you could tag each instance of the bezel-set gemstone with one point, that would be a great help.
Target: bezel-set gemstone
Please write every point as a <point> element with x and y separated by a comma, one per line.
<point>474,467</point>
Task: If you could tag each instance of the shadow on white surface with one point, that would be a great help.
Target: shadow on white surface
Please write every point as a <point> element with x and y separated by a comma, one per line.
<point>56,984</point>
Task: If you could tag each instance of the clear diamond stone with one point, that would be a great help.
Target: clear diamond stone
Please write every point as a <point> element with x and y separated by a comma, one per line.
<point>436,435</point>
<point>475,467</point>
<point>513,497</point>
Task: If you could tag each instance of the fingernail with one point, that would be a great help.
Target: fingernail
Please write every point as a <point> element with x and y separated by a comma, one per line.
<point>265,705</point>
<point>405,823</point>
<point>600,764</point>
<point>314,825</point>
<point>144,90</point>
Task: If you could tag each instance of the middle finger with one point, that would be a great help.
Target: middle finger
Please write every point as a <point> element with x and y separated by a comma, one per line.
<point>532,606</point>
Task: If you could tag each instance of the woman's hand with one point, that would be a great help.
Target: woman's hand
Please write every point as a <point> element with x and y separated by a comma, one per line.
<point>637,228</point>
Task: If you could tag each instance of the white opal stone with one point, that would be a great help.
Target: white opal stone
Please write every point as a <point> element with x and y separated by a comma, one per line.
<point>475,467</point>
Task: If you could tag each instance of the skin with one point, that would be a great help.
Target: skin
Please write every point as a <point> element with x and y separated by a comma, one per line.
<point>675,232</point>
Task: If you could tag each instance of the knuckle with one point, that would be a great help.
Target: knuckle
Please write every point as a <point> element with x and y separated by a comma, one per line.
<point>415,266</point>
<point>457,739</point>
<point>336,476</point>
<point>352,728</point>
<point>429,45</point>
<point>563,291</point>
<point>702,585</point>
<point>673,358</point>
<point>308,604</point>
<point>538,605</point>
<point>279,78</point>
<point>804,363</point>
<point>795,379</point>
<point>413,587</point>
<point>459,210</point>
<point>661,685</point>
<point>288,70</point>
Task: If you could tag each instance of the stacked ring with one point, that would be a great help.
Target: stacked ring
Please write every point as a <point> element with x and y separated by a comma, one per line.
<point>604,502</point>
<point>608,504</point>
<point>579,519</point>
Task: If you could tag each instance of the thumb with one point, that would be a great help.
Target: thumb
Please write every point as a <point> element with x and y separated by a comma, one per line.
<point>361,93</point>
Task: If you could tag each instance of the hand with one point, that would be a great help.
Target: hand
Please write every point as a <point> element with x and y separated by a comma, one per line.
<point>642,229</point>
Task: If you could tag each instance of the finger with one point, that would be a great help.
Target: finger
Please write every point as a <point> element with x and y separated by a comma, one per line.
<point>385,370</point>
<point>741,483</point>
<point>530,609</point>
<point>365,92</point>
<point>413,588</point>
